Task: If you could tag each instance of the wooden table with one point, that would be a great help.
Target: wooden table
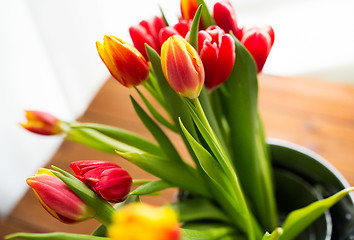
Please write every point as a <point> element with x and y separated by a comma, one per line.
<point>316,114</point>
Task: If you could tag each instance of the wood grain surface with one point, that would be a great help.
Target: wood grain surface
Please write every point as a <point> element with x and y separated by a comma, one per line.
<point>316,114</point>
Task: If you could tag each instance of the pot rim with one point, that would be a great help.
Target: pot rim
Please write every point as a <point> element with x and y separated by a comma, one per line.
<point>315,156</point>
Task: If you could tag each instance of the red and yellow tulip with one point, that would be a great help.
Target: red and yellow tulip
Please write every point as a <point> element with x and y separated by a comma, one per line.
<point>42,123</point>
<point>124,62</point>
<point>182,67</point>
<point>57,198</point>
<point>188,8</point>
<point>107,179</point>
<point>143,222</point>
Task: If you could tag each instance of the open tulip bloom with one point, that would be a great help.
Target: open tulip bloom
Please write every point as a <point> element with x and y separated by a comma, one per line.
<point>205,79</point>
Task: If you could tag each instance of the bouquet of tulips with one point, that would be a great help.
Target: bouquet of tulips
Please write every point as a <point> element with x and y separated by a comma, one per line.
<point>202,72</point>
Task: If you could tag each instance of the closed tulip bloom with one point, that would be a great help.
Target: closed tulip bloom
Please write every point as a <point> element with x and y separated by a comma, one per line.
<point>58,199</point>
<point>147,32</point>
<point>42,123</point>
<point>225,17</point>
<point>217,51</point>
<point>259,41</point>
<point>123,61</point>
<point>143,222</point>
<point>182,67</point>
<point>107,179</point>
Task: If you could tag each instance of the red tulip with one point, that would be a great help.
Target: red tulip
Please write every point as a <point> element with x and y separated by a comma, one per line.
<point>124,62</point>
<point>42,123</point>
<point>147,32</point>
<point>217,51</point>
<point>107,179</point>
<point>182,67</point>
<point>57,198</point>
<point>181,28</point>
<point>259,41</point>
<point>225,17</point>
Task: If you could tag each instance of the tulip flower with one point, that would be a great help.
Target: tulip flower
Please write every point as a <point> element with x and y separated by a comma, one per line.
<point>217,51</point>
<point>259,41</point>
<point>188,8</point>
<point>107,179</point>
<point>182,67</point>
<point>225,17</point>
<point>181,28</point>
<point>123,61</point>
<point>147,32</point>
<point>143,222</point>
<point>42,123</point>
<point>58,199</point>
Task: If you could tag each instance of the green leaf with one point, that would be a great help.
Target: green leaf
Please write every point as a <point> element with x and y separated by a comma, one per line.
<point>102,208</point>
<point>165,143</point>
<point>207,19</point>
<point>175,173</point>
<point>78,135</point>
<point>209,164</point>
<point>247,137</point>
<point>87,134</point>
<point>54,236</point>
<point>121,135</point>
<point>198,209</point>
<point>163,17</point>
<point>156,114</point>
<point>300,219</point>
<point>193,33</point>
<point>151,187</point>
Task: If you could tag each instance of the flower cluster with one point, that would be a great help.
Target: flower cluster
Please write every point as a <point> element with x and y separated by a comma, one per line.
<point>202,71</point>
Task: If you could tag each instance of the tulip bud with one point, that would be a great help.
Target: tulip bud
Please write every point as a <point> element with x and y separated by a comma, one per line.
<point>182,67</point>
<point>142,222</point>
<point>124,62</point>
<point>42,123</point>
<point>217,51</point>
<point>225,17</point>
<point>58,199</point>
<point>258,41</point>
<point>107,179</point>
<point>147,32</point>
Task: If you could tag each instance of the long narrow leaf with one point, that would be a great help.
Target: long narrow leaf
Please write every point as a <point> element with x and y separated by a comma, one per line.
<point>206,16</point>
<point>209,232</point>
<point>164,142</point>
<point>54,236</point>
<point>300,219</point>
<point>121,135</point>
<point>151,187</point>
<point>158,117</point>
<point>250,158</point>
<point>193,33</point>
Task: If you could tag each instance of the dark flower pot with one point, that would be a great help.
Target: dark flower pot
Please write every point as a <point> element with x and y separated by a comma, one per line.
<point>302,177</point>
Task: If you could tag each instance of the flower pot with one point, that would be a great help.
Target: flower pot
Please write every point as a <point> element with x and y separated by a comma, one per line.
<point>301,177</point>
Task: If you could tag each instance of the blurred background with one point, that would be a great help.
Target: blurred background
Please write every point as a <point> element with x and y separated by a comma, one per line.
<point>49,62</point>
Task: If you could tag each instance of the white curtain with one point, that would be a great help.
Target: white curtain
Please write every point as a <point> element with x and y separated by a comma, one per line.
<point>48,60</point>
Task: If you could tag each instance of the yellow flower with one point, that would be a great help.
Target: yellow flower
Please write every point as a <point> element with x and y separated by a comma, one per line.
<point>143,222</point>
